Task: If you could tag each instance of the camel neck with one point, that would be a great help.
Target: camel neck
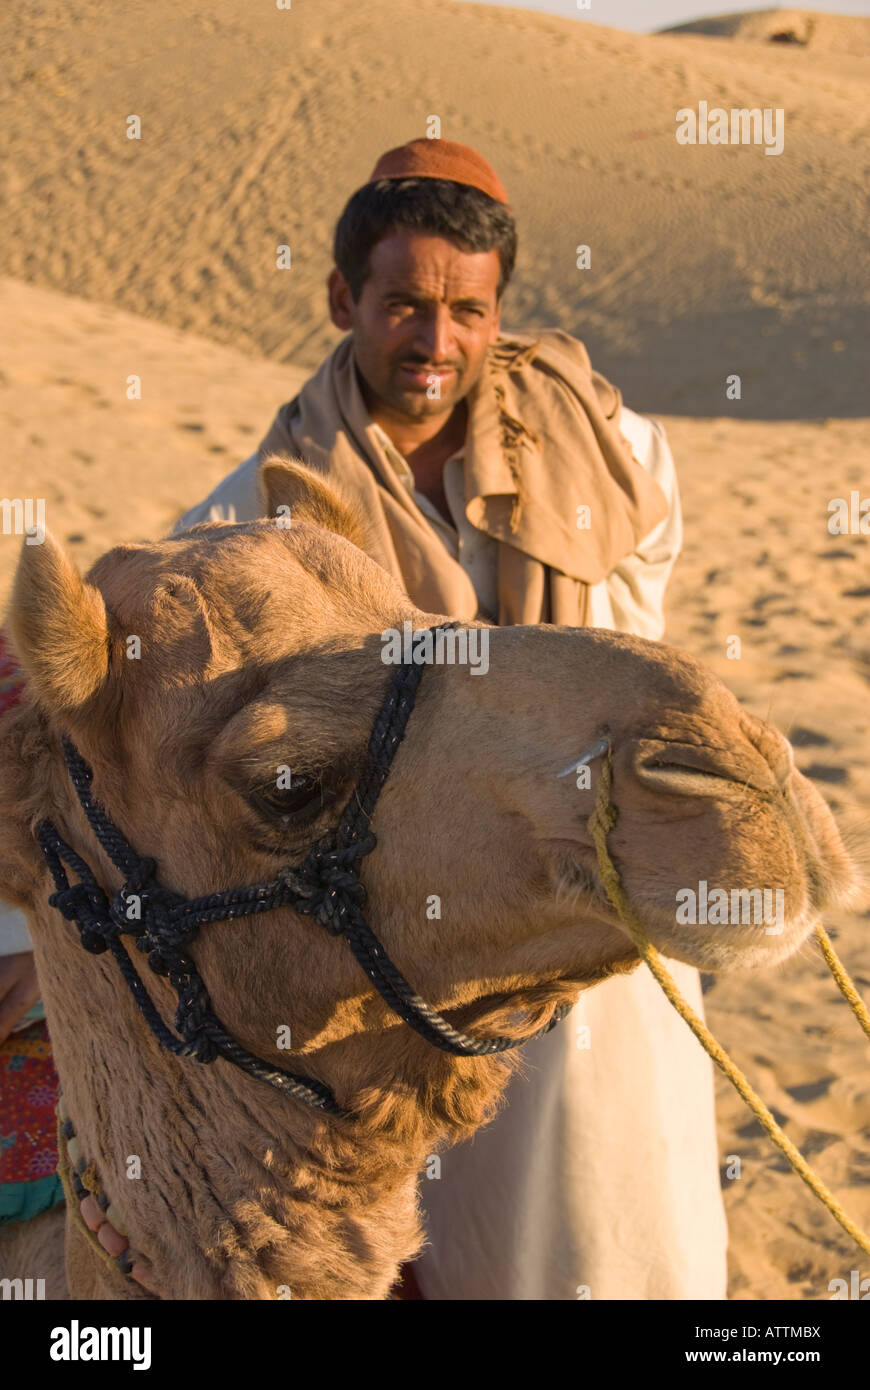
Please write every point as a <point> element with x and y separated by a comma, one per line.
<point>243,1194</point>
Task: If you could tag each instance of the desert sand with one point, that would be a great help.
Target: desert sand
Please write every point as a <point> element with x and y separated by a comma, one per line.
<point>157,258</point>
<point>256,125</point>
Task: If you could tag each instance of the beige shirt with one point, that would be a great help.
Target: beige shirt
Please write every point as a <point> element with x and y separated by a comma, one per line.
<point>631,597</point>
<point>474,550</point>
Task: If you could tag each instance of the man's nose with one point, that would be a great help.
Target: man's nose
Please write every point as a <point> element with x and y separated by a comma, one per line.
<point>437,336</point>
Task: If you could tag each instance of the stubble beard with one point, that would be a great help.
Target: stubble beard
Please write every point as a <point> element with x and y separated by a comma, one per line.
<point>417,405</point>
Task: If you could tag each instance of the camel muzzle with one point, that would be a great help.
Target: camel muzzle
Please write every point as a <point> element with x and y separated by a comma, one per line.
<point>601,822</point>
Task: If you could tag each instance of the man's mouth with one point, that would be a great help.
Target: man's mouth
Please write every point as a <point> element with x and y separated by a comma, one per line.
<point>423,375</point>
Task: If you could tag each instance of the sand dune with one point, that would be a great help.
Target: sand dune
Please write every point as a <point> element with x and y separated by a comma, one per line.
<point>258,123</point>
<point>759,562</point>
<point>109,468</point>
<point>829,33</point>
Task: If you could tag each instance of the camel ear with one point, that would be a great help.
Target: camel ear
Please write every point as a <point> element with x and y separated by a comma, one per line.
<point>291,483</point>
<point>58,627</point>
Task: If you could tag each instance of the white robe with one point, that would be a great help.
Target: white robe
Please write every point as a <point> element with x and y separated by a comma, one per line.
<point>599,1178</point>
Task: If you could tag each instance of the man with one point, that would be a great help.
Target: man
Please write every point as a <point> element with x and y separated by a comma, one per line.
<point>503,479</point>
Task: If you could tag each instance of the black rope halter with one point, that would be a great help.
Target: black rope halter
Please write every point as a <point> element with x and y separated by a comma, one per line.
<point>325,886</point>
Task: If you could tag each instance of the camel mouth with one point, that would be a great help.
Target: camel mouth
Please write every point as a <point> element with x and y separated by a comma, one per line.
<point>743,927</point>
<point>760,938</point>
<point>735,947</point>
<point>763,906</point>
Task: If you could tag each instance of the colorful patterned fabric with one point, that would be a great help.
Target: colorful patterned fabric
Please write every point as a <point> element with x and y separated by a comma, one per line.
<point>28,1081</point>
<point>28,1125</point>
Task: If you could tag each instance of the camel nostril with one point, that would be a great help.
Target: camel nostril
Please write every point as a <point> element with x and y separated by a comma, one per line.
<point>697,770</point>
<point>677,777</point>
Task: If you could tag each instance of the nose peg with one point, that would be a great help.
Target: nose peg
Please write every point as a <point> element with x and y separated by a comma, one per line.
<point>597,750</point>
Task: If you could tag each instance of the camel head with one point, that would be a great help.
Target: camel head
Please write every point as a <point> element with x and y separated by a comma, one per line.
<point>194,673</point>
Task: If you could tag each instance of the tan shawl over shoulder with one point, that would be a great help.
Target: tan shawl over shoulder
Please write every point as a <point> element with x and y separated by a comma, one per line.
<point>542,446</point>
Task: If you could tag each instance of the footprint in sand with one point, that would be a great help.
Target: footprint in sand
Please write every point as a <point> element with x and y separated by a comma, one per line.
<point>822,772</point>
<point>751,1131</point>
<point>808,738</point>
<point>811,1090</point>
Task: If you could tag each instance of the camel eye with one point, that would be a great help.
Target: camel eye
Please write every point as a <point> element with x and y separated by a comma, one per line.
<point>302,794</point>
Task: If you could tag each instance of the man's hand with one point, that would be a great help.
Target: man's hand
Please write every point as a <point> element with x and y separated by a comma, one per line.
<point>96,1220</point>
<point>19,989</point>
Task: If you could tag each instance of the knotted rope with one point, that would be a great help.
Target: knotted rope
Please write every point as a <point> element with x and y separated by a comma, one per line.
<point>600,823</point>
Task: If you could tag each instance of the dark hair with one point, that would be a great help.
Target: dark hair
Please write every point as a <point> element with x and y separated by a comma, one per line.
<point>454,210</point>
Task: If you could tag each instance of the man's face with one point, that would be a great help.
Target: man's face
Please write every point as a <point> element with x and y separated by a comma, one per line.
<point>427,310</point>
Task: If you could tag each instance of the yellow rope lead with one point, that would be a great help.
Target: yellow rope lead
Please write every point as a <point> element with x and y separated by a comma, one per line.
<point>838,970</point>
<point>600,822</point>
